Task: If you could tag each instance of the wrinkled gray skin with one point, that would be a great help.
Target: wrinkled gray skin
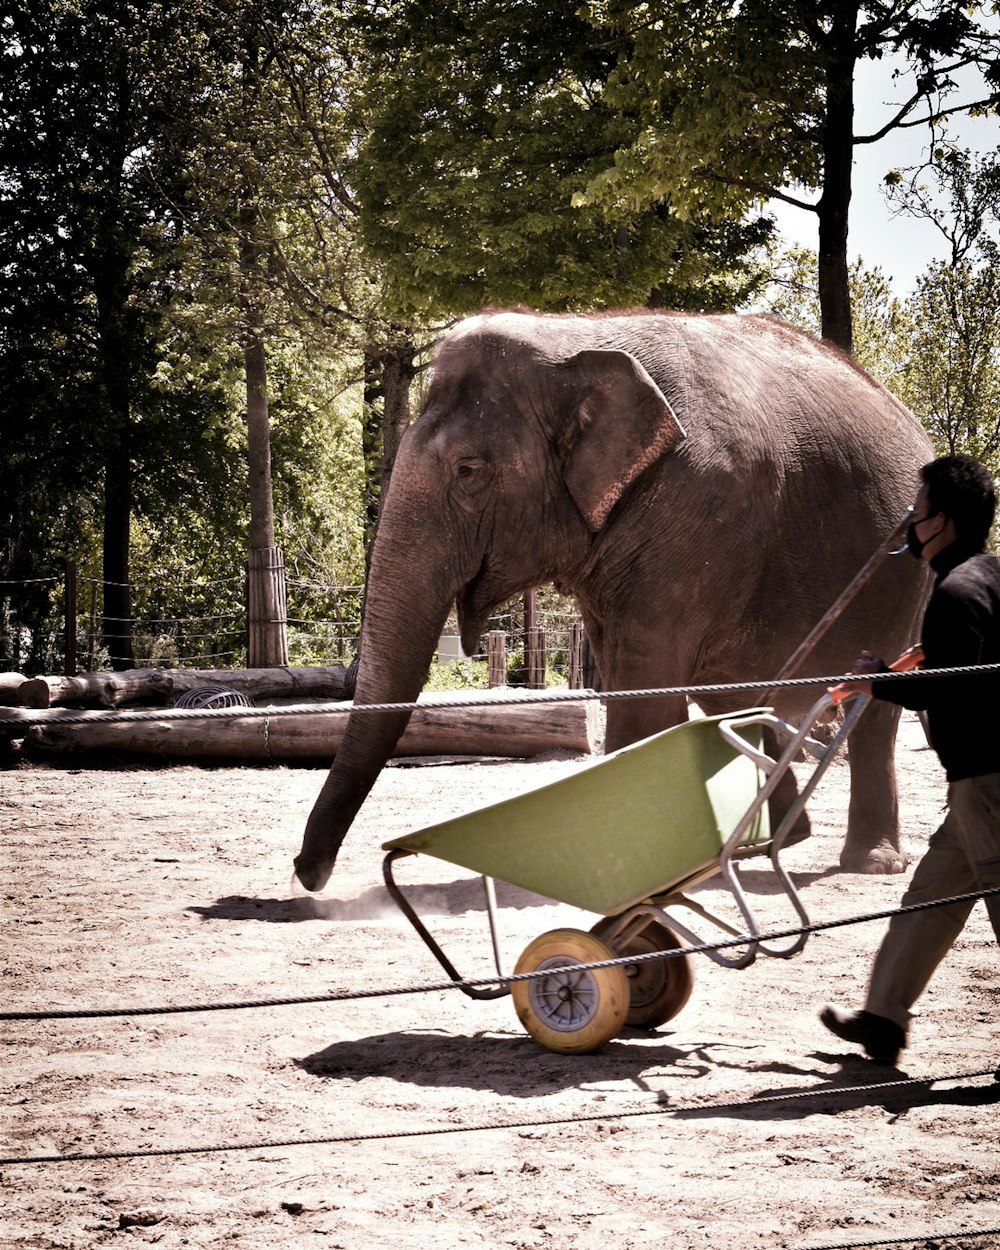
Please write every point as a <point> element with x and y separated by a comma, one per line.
<point>705,487</point>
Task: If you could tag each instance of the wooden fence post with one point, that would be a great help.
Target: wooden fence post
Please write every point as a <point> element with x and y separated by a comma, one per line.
<point>267,610</point>
<point>576,656</point>
<point>534,659</point>
<point>496,654</point>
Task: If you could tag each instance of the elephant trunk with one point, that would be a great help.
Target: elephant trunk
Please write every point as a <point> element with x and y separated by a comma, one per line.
<point>398,640</point>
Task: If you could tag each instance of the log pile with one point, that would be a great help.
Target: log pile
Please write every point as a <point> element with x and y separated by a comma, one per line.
<point>298,715</point>
<point>161,687</point>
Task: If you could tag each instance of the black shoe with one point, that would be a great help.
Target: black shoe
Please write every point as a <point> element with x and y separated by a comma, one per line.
<point>882,1039</point>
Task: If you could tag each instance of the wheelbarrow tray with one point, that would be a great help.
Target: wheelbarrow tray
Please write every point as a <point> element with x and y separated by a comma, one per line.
<point>622,829</point>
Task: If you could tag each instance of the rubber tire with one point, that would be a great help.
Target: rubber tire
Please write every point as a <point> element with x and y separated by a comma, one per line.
<point>577,1013</point>
<point>658,988</point>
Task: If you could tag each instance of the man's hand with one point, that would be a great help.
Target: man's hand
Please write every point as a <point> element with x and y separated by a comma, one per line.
<point>867,663</point>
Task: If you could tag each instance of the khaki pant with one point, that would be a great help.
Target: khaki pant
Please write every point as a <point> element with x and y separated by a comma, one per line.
<point>962,856</point>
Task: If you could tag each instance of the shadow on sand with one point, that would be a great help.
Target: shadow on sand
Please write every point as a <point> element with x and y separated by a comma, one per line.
<point>515,1066</point>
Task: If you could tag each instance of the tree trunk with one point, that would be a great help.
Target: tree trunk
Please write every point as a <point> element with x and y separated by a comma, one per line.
<point>117,626</point>
<point>389,372</point>
<point>267,627</point>
<point>118,339</point>
<point>397,372</point>
<point>258,433</point>
<point>267,609</point>
<point>834,203</point>
<point>116,351</point>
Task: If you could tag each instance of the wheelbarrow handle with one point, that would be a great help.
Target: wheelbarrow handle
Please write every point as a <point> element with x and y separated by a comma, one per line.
<point>910,659</point>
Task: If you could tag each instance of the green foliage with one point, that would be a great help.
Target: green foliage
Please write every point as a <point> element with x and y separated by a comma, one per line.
<point>483,121</point>
<point>127,141</point>
<point>726,98</point>
<point>733,99</point>
<point>951,378</point>
<point>458,675</point>
<point>938,350</point>
<point>107,407</point>
<point>739,102</point>
<point>950,375</point>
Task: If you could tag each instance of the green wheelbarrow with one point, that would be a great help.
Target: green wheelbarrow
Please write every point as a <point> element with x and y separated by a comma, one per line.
<point>626,837</point>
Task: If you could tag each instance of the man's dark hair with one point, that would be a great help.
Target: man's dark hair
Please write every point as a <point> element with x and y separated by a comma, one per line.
<point>962,489</point>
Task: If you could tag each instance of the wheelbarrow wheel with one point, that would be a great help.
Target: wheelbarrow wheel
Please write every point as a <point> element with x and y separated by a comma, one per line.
<point>658,988</point>
<point>570,1012</point>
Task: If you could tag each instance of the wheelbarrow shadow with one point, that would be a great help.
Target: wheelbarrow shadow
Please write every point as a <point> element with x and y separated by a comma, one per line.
<point>514,1065</point>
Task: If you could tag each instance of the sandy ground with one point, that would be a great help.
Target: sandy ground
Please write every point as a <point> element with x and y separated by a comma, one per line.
<point>149,887</point>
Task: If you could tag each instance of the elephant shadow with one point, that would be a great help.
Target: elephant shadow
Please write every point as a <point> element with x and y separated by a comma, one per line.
<point>445,898</point>
<point>762,881</point>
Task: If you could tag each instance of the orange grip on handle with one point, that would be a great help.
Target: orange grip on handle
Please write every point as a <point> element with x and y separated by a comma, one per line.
<point>910,659</point>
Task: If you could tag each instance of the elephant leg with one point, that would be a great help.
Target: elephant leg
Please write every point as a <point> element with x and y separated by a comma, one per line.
<point>872,843</point>
<point>628,720</point>
<point>784,795</point>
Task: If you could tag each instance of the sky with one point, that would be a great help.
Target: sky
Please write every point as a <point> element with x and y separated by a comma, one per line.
<point>901,246</point>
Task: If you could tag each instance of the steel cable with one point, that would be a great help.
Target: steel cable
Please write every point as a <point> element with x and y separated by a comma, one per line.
<point>483,982</point>
<point>446,1130</point>
<point>906,1241</point>
<point>22,717</point>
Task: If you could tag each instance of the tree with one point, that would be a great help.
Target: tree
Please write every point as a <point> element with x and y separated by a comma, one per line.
<point>883,323</point>
<point>481,120</point>
<point>86,282</point>
<point>120,322</point>
<point>938,350</point>
<point>278,239</point>
<point>951,378</point>
<point>739,103</point>
<point>955,190</point>
<point>951,374</point>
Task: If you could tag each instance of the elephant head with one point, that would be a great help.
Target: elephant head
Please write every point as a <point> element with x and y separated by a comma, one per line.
<point>516,461</point>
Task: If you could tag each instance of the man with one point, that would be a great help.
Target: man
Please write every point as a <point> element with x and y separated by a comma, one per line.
<point>952,516</point>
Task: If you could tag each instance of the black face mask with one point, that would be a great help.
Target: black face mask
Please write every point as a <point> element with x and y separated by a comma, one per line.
<point>914,545</point>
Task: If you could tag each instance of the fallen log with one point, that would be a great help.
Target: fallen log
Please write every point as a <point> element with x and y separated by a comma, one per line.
<point>161,686</point>
<point>10,689</point>
<point>508,727</point>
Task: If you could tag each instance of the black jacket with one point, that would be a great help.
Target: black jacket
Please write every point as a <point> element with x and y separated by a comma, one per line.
<point>961,627</point>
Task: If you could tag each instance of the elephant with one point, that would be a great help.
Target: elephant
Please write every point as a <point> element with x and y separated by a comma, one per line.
<point>704,485</point>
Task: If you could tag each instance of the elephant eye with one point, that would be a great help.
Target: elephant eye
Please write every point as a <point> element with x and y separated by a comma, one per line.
<point>472,473</point>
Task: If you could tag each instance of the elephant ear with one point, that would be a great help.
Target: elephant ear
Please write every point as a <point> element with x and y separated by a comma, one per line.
<point>623,424</point>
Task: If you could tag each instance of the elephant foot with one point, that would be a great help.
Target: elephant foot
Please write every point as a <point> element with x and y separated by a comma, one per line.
<point>881,860</point>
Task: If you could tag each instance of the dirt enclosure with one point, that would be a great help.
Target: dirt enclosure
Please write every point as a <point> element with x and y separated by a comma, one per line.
<point>444,1124</point>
